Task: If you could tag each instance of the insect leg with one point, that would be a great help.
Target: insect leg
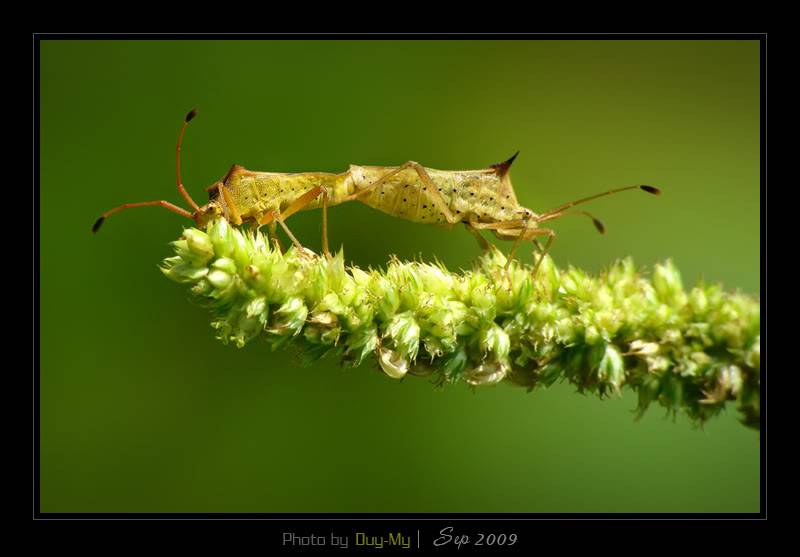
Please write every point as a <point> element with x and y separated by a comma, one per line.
<point>550,237</point>
<point>275,216</point>
<point>521,235</point>
<point>302,201</point>
<point>295,206</point>
<point>432,191</point>
<point>517,223</point>
<point>297,244</point>
<point>236,218</point>
<point>273,231</point>
<point>378,182</point>
<point>519,226</point>
<point>269,220</point>
<point>485,246</point>
<point>166,204</point>
<point>429,187</point>
<point>325,249</point>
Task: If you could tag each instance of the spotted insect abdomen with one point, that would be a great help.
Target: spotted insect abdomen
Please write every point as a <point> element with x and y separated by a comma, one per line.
<point>400,195</point>
<point>461,195</point>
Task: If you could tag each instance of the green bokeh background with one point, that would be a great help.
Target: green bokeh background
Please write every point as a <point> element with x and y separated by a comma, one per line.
<point>143,410</point>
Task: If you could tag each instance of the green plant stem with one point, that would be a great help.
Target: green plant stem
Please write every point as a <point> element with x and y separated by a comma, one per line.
<point>688,351</point>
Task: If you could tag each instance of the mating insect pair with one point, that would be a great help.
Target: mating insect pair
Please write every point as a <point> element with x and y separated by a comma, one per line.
<point>480,199</point>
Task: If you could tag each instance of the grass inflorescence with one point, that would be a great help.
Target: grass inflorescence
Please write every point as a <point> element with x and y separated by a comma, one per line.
<point>689,351</point>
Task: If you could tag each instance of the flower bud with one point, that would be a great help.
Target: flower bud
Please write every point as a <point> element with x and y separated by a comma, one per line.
<point>385,294</point>
<point>219,279</point>
<point>657,364</point>
<point>360,277</point>
<point>225,264</point>
<point>436,280</point>
<point>179,270</point>
<point>483,301</point>
<point>361,343</point>
<point>730,379</point>
<point>494,340</point>
<point>202,288</point>
<point>611,369</point>
<point>392,363</point>
<point>219,234</point>
<point>698,301</point>
<point>642,348</point>
<point>668,285</point>
<point>241,253</point>
<point>487,373</point>
<point>199,244</point>
<point>258,308</point>
<point>403,329</point>
<point>181,247</point>
<point>492,260</point>
<point>453,365</point>
<point>290,317</point>
<point>576,283</point>
<point>592,335</point>
<point>332,303</point>
<point>547,277</point>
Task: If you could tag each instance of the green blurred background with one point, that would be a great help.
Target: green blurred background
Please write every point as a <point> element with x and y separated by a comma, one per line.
<point>143,410</point>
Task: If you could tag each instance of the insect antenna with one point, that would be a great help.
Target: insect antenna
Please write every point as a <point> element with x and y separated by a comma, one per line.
<point>597,223</point>
<point>161,203</point>
<point>166,204</point>
<point>192,113</point>
<point>558,210</point>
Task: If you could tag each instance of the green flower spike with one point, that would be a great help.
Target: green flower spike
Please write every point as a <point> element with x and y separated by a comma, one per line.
<point>689,351</point>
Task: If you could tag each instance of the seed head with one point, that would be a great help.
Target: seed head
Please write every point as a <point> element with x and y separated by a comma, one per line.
<point>689,352</point>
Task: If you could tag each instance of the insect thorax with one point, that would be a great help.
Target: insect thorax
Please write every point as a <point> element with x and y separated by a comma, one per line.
<point>257,193</point>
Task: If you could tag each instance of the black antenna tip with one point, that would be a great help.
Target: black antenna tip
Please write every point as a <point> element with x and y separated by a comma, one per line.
<point>502,167</point>
<point>97,224</point>
<point>192,114</point>
<point>599,226</point>
<point>651,189</point>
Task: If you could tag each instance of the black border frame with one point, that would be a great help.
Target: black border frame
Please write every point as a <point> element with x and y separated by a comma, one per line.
<point>424,524</point>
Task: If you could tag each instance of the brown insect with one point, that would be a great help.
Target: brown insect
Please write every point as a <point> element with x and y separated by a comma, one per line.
<point>481,199</point>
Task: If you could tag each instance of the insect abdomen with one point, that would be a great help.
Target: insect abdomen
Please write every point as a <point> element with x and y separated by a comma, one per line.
<point>467,195</point>
<point>403,195</point>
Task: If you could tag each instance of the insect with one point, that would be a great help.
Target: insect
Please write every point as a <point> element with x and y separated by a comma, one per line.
<point>481,199</point>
